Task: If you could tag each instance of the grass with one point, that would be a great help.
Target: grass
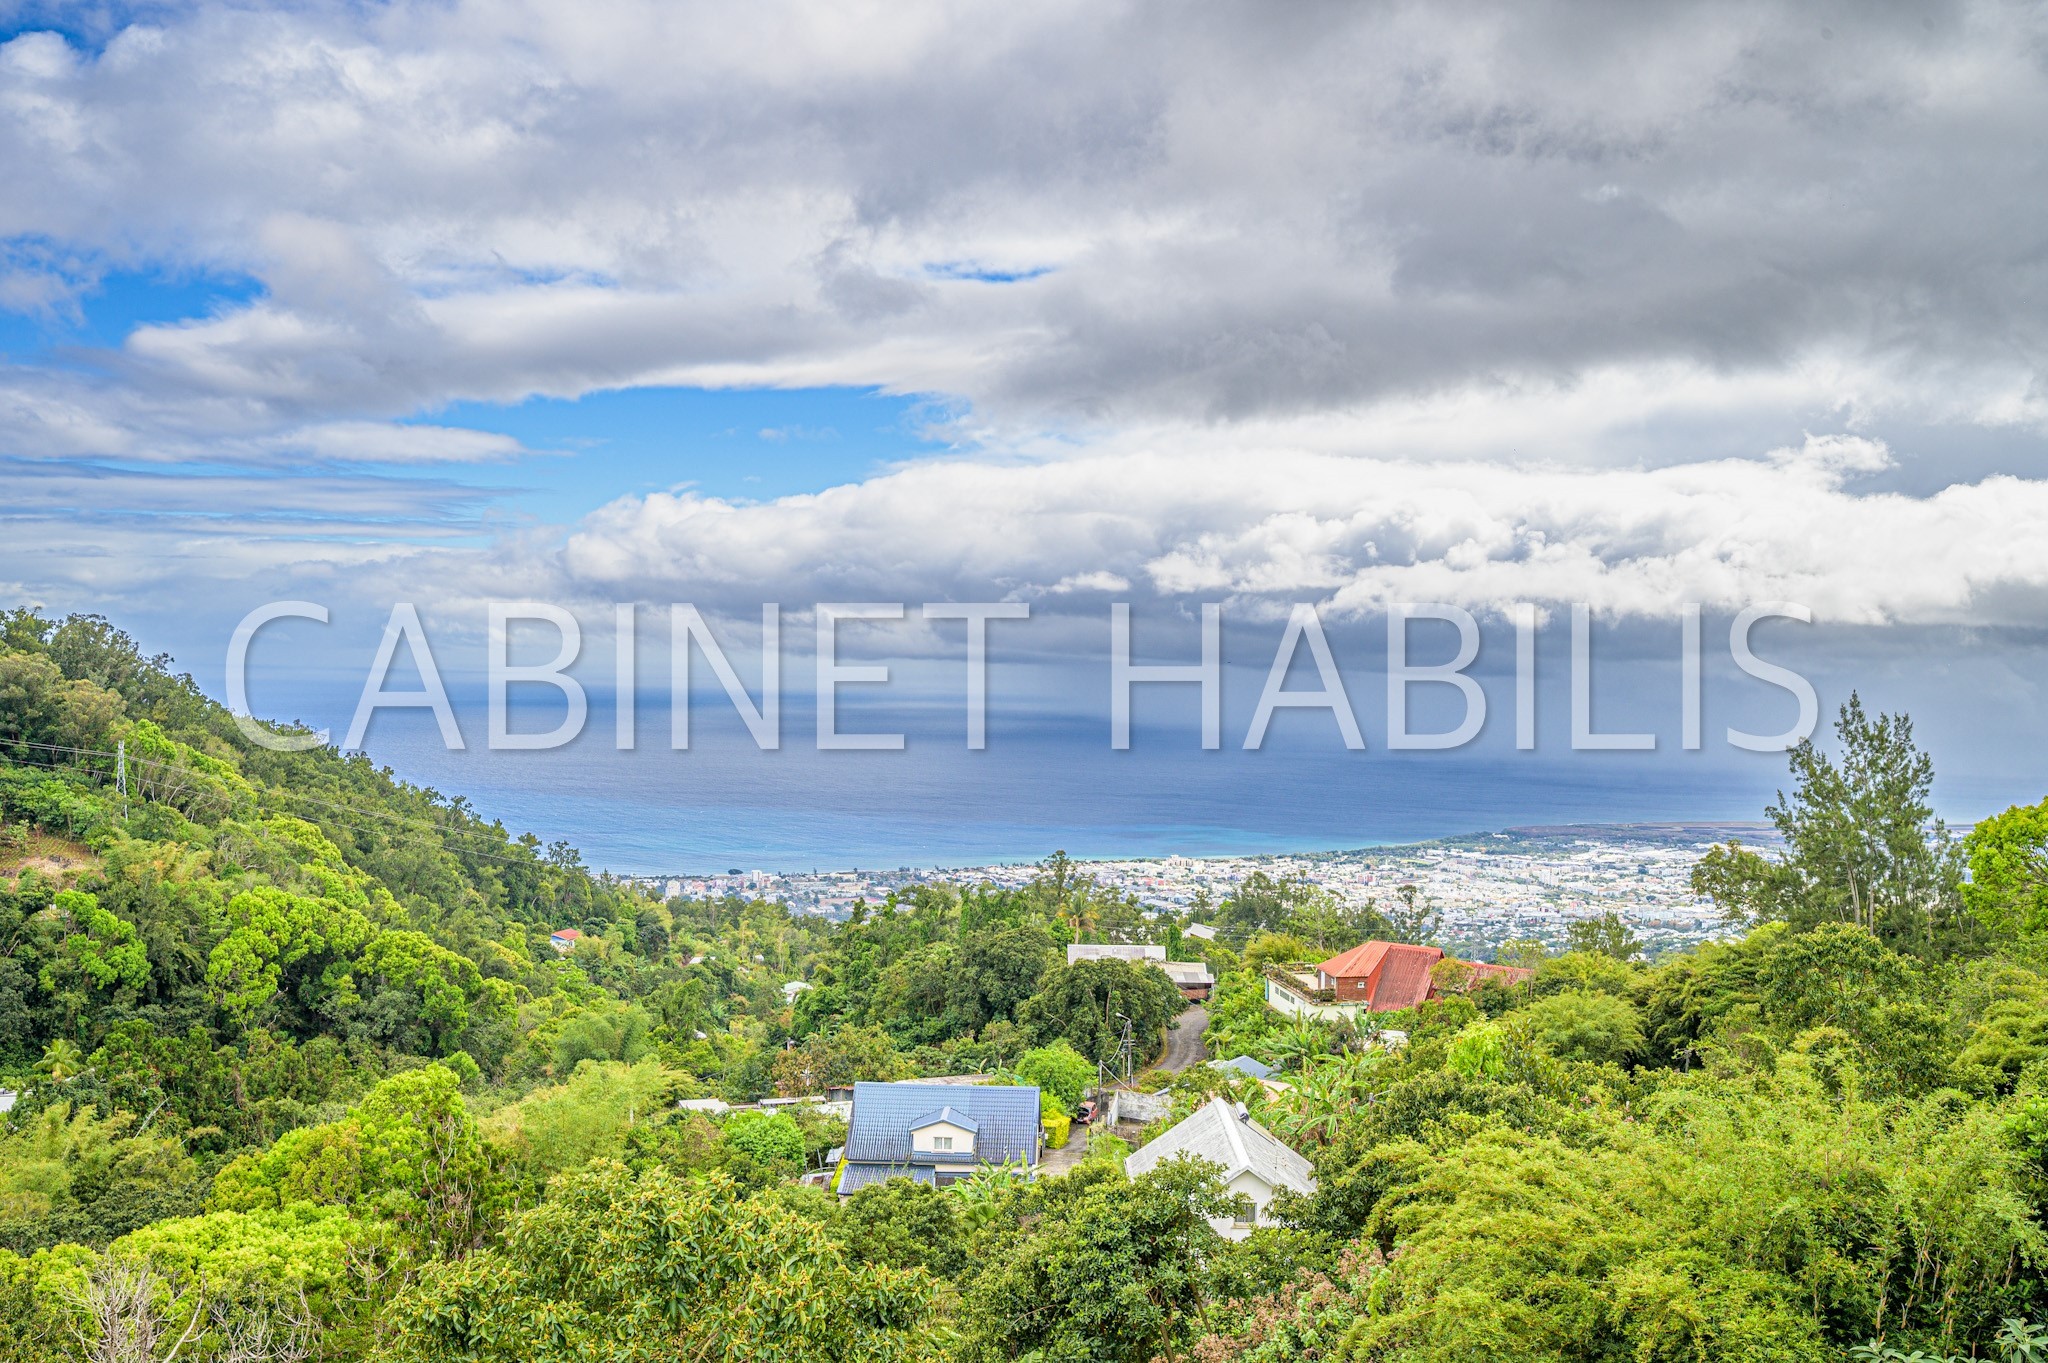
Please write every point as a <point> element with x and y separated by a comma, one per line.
<point>37,850</point>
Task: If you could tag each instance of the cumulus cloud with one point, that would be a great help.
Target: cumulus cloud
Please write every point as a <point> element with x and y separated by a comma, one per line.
<point>1162,215</point>
<point>1355,534</point>
<point>1343,303</point>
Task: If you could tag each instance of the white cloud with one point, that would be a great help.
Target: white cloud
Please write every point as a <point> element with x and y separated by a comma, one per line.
<point>1089,582</point>
<point>1265,528</point>
<point>1241,216</point>
<point>379,442</point>
<point>1336,303</point>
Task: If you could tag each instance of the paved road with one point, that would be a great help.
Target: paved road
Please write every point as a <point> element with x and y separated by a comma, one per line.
<point>1184,1044</point>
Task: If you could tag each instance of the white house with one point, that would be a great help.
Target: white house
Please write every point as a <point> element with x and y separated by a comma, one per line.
<point>1201,932</point>
<point>1255,1163</point>
<point>1113,951</point>
<point>710,1107</point>
<point>1192,978</point>
<point>943,1133</point>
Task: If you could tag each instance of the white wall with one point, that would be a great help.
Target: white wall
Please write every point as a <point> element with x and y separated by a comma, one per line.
<point>1284,1000</point>
<point>1246,1184</point>
<point>963,1139</point>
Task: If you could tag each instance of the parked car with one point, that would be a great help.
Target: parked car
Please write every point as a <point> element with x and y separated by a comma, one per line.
<point>1085,1113</point>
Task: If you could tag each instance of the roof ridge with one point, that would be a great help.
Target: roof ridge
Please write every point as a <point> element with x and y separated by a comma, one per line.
<point>1233,1114</point>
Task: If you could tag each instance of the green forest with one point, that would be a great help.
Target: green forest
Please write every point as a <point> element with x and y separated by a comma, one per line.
<point>300,1076</point>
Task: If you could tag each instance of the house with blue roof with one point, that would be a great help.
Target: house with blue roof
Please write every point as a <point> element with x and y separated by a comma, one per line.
<point>937,1133</point>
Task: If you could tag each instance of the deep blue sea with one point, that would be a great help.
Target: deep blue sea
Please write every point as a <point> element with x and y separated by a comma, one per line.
<point>1040,785</point>
<point>1049,779</point>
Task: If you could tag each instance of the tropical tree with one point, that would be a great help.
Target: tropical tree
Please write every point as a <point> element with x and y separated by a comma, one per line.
<point>1058,1070</point>
<point>1414,916</point>
<point>639,1269</point>
<point>1108,1272</point>
<point>2007,890</point>
<point>1608,935</point>
<point>61,1061</point>
<point>1862,845</point>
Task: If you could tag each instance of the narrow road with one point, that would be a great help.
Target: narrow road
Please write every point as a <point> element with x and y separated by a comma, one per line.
<point>1184,1044</point>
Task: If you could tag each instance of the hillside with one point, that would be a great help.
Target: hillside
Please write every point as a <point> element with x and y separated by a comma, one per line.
<point>301,1076</point>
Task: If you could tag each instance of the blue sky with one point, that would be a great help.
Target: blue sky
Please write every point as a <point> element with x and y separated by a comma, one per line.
<point>743,444</point>
<point>453,303</point>
<point>108,306</point>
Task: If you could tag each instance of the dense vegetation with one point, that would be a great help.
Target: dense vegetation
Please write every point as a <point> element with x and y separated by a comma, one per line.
<point>301,1077</point>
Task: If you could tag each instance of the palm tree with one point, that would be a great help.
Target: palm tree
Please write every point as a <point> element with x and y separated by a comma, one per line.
<point>61,1060</point>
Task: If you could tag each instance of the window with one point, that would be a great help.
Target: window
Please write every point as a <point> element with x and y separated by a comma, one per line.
<point>942,1142</point>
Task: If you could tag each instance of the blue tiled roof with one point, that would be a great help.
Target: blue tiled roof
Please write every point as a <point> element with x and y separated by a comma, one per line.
<point>1004,1120</point>
<point>854,1177</point>
<point>946,1114</point>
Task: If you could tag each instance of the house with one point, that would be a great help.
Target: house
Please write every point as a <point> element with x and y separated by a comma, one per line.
<point>710,1107</point>
<point>1201,932</point>
<point>937,1133</point>
<point>1255,1163</point>
<point>1192,978</point>
<point>7,1100</point>
<point>1244,1064</point>
<point>565,939</point>
<point>1384,976</point>
<point>792,989</point>
<point>842,1109</point>
<point>1113,951</point>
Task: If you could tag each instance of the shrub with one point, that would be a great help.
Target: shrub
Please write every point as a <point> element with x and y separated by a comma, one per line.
<point>1059,1070</point>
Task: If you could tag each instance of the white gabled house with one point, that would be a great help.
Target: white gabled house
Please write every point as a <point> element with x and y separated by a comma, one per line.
<point>1255,1163</point>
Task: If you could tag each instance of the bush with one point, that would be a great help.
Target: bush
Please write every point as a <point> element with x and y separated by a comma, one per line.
<point>464,1066</point>
<point>1059,1070</point>
<point>899,1223</point>
<point>768,1138</point>
<point>1583,1025</point>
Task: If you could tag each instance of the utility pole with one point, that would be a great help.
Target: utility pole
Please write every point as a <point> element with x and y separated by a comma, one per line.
<point>121,774</point>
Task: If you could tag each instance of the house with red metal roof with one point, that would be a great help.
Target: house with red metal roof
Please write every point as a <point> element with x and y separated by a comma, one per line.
<point>1385,976</point>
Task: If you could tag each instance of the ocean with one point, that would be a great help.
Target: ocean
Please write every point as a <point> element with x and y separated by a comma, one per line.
<point>1042,784</point>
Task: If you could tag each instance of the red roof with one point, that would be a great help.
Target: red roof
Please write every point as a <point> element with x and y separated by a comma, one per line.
<point>1403,978</point>
<point>1397,974</point>
<point>1357,963</point>
<point>568,934</point>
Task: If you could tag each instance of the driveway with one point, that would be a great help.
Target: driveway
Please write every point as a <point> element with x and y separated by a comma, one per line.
<point>1053,1163</point>
<point>1184,1044</point>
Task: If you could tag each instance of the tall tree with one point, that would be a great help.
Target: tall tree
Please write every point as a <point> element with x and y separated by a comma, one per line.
<point>1413,916</point>
<point>1862,845</point>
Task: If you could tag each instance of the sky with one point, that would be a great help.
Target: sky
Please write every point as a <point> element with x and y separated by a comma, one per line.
<point>1062,305</point>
